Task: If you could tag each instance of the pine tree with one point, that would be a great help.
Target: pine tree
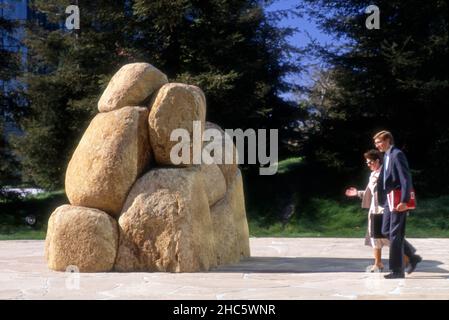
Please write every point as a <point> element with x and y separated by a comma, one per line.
<point>395,77</point>
<point>230,48</point>
<point>67,71</point>
<point>9,99</point>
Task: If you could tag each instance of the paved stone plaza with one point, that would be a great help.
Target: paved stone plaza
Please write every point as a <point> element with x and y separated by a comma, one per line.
<point>280,268</point>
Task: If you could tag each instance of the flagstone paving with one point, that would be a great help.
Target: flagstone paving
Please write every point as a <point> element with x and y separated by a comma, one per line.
<point>279,268</point>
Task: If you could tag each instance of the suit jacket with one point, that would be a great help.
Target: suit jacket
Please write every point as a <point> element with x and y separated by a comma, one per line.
<point>397,177</point>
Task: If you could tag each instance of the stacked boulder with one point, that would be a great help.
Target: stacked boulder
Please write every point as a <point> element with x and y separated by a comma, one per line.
<point>131,208</point>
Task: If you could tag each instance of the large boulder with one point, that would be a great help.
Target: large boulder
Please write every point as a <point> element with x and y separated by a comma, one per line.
<point>214,182</point>
<point>230,224</point>
<point>236,198</point>
<point>175,106</point>
<point>165,224</point>
<point>229,170</point>
<point>82,237</point>
<point>132,85</point>
<point>226,235</point>
<point>112,153</point>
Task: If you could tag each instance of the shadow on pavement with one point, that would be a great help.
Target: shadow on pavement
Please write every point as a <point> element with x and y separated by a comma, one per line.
<point>316,265</point>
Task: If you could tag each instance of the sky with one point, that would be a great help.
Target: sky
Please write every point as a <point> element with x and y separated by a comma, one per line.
<point>301,23</point>
<point>300,39</point>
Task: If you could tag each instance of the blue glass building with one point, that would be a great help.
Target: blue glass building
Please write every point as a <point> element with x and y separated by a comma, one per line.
<point>13,10</point>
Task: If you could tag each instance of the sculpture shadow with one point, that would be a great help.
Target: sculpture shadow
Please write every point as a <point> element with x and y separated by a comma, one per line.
<point>316,265</point>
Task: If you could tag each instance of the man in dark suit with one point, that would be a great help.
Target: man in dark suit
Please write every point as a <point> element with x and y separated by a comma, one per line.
<point>395,175</point>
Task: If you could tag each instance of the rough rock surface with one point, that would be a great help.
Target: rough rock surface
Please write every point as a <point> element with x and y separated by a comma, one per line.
<point>230,225</point>
<point>132,85</point>
<point>165,224</point>
<point>214,182</point>
<point>112,153</point>
<point>228,170</point>
<point>81,237</point>
<point>175,106</point>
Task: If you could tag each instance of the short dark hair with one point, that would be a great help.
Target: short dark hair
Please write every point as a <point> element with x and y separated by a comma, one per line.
<point>374,155</point>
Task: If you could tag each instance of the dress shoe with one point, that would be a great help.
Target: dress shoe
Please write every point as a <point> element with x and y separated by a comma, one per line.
<point>395,275</point>
<point>413,263</point>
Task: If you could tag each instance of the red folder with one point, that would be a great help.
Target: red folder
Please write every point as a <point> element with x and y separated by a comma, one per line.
<point>394,198</point>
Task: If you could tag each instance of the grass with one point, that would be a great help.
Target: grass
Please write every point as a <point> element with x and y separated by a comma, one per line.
<point>316,217</point>
<point>319,218</point>
<point>289,164</point>
<point>24,234</point>
<point>14,213</point>
<point>334,218</point>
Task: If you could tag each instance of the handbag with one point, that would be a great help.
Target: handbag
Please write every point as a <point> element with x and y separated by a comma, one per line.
<point>376,225</point>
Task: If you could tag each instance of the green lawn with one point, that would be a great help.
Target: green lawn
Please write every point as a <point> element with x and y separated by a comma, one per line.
<point>333,218</point>
<point>23,234</point>
<point>316,218</point>
<point>14,213</point>
<point>289,164</point>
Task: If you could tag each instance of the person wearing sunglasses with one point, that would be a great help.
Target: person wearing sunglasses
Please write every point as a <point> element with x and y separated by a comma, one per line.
<point>374,236</point>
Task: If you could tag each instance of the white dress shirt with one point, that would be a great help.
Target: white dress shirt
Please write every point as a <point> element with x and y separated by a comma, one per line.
<point>387,162</point>
<point>387,157</point>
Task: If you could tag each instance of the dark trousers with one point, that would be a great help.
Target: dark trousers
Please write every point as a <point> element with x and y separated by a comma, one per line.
<point>393,227</point>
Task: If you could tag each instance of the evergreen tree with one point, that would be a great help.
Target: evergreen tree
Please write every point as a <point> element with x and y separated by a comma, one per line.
<point>395,77</point>
<point>231,49</point>
<point>67,71</point>
<point>9,70</point>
